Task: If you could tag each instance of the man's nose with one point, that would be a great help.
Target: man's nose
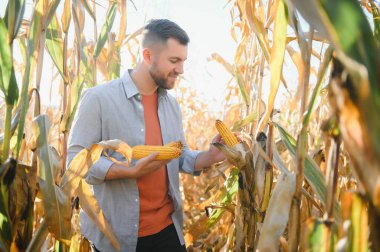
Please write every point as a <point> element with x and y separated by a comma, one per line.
<point>179,68</point>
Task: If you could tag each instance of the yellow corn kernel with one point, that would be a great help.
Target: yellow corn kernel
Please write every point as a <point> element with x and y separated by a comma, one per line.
<point>226,133</point>
<point>164,152</point>
<point>177,144</point>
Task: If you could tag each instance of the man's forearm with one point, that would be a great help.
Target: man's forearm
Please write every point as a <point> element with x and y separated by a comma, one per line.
<point>119,171</point>
<point>204,159</point>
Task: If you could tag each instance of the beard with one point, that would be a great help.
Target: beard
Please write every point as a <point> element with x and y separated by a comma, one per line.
<point>160,79</point>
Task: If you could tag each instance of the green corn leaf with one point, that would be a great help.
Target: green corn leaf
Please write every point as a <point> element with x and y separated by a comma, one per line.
<point>86,67</point>
<point>10,98</point>
<point>89,9</point>
<point>54,44</point>
<point>311,171</point>
<point>33,38</point>
<point>318,235</point>
<point>5,60</point>
<point>114,65</point>
<point>345,25</point>
<point>376,21</point>
<point>354,34</point>
<point>321,76</point>
<point>2,246</point>
<point>41,19</point>
<point>51,12</point>
<point>7,175</point>
<point>105,29</point>
<point>231,188</point>
<point>13,92</point>
<point>14,15</point>
<point>254,116</point>
<point>76,91</point>
<point>240,82</point>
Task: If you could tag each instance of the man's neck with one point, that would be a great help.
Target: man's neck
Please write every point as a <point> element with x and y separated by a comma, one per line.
<point>143,81</point>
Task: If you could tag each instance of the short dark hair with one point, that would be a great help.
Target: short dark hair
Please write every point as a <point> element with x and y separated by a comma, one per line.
<point>160,30</point>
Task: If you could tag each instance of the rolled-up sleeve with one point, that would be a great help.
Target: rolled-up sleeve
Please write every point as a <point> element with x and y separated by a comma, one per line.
<point>187,162</point>
<point>85,131</point>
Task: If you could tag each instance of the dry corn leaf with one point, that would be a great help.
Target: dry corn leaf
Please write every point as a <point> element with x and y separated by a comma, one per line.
<point>90,205</point>
<point>39,238</point>
<point>197,229</point>
<point>260,166</point>
<point>232,114</point>
<point>277,59</point>
<point>354,212</point>
<point>277,214</point>
<point>66,16</point>
<point>248,10</point>
<point>119,146</point>
<point>218,58</point>
<point>79,167</point>
<point>233,155</point>
<point>56,203</point>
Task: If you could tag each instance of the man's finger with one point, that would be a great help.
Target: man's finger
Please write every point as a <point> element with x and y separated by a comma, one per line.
<point>150,157</point>
<point>218,137</point>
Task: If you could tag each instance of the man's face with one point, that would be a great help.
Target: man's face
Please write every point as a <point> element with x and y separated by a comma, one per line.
<point>167,63</point>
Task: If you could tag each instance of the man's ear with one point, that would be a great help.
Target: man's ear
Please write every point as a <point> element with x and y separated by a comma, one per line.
<point>147,55</point>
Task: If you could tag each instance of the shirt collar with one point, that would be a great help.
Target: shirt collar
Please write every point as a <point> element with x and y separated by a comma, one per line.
<point>131,89</point>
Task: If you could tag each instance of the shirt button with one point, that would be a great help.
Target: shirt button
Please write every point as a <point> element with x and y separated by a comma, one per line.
<point>135,225</point>
<point>142,130</point>
<point>137,200</point>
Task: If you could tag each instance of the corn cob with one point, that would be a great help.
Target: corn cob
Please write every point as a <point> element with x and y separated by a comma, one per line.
<point>164,152</point>
<point>176,144</point>
<point>226,133</point>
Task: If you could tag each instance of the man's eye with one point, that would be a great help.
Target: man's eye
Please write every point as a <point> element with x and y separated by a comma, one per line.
<point>174,61</point>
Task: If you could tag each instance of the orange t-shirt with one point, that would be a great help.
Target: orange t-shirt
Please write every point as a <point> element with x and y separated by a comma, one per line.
<point>156,205</point>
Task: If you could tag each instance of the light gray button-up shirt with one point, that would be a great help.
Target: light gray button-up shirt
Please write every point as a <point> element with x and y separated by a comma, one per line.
<point>114,111</point>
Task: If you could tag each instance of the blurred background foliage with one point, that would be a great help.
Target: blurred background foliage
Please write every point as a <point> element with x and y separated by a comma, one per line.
<point>305,177</point>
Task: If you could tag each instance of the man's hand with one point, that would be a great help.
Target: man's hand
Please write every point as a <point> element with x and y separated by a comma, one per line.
<point>215,155</point>
<point>142,167</point>
<point>211,156</point>
<point>147,165</point>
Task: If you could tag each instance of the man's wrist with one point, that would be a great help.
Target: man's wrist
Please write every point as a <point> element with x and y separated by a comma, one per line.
<point>204,160</point>
<point>210,157</point>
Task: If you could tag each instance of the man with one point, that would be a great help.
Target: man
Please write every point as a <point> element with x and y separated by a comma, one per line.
<point>141,202</point>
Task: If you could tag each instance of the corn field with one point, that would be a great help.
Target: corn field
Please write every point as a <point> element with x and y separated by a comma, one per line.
<point>302,177</point>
